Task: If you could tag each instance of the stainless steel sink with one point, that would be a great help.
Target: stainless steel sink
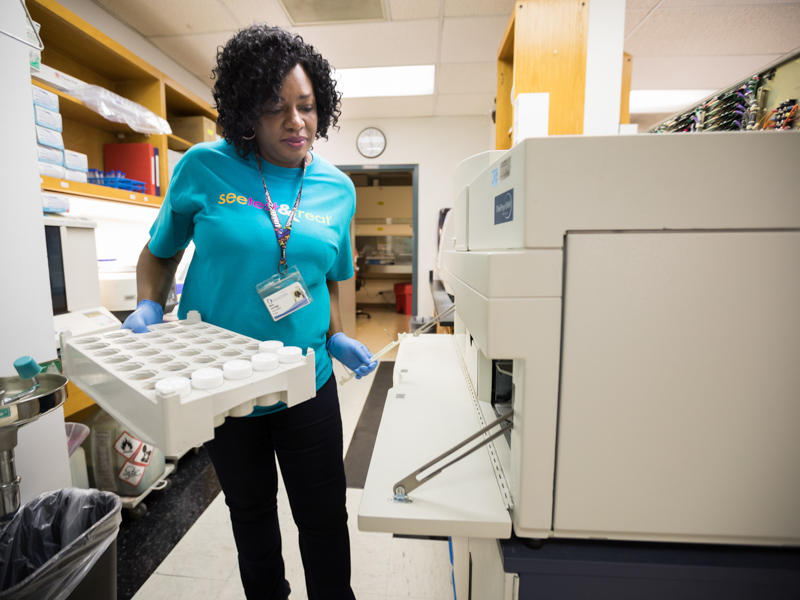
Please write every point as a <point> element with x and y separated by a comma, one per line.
<point>21,402</point>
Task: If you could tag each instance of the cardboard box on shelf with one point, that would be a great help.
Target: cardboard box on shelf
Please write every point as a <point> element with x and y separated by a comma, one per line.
<point>54,156</point>
<point>51,170</point>
<point>47,118</point>
<point>57,79</point>
<point>194,129</point>
<point>44,98</point>
<point>55,202</point>
<point>48,137</point>
<point>79,176</point>
<point>76,160</point>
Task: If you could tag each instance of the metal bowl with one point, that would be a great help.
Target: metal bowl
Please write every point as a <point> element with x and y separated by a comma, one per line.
<point>50,394</point>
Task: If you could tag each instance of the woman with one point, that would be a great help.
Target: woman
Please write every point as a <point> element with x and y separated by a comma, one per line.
<point>258,204</point>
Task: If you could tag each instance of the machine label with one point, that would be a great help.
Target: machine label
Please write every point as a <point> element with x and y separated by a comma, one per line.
<point>505,168</point>
<point>494,177</point>
<point>504,207</point>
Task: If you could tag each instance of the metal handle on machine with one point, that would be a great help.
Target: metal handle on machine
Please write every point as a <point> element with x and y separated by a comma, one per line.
<point>403,487</point>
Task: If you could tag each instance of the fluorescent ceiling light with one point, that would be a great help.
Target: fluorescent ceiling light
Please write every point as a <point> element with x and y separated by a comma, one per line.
<point>386,81</point>
<point>665,101</point>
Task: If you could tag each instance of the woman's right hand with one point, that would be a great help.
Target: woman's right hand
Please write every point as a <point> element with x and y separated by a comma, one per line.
<point>147,313</point>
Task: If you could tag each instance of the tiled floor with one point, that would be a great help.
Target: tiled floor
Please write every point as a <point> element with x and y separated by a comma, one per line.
<point>203,564</point>
<point>373,331</point>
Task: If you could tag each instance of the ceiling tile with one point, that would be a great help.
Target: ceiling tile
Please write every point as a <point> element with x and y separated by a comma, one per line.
<point>641,4</point>
<point>717,31</point>
<point>467,78</point>
<point>195,53</point>
<point>694,72</point>
<point>478,8</point>
<point>303,12</point>
<point>472,39</point>
<point>156,17</point>
<point>401,10</point>
<point>633,18</point>
<point>454,105</point>
<point>392,44</point>
<point>372,108</point>
<point>699,3</point>
<point>257,11</point>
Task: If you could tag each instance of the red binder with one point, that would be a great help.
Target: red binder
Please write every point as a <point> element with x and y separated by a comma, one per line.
<point>137,161</point>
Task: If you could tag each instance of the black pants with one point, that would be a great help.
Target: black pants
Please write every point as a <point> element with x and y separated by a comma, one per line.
<point>307,439</point>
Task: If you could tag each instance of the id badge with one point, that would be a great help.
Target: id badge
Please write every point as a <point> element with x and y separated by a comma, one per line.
<point>284,294</point>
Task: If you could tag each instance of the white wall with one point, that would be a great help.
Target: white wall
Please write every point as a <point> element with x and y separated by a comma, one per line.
<point>437,145</point>
<point>26,311</point>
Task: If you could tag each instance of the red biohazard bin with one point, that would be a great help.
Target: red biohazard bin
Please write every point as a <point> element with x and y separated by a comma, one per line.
<point>402,292</point>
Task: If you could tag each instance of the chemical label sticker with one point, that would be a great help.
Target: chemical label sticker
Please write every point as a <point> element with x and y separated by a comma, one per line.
<point>505,168</point>
<point>144,455</point>
<point>131,474</point>
<point>494,177</point>
<point>127,445</point>
<point>504,207</point>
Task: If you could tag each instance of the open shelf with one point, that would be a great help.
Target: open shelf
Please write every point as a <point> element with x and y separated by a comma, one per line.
<point>99,192</point>
<point>384,229</point>
<point>75,110</point>
<point>178,143</point>
<point>80,50</point>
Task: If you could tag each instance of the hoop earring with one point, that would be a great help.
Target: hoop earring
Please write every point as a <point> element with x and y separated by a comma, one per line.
<point>251,137</point>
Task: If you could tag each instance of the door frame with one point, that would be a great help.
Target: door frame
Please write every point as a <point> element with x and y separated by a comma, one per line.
<point>414,169</point>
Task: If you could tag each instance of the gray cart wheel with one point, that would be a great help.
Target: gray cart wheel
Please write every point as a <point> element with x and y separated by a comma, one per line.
<point>138,511</point>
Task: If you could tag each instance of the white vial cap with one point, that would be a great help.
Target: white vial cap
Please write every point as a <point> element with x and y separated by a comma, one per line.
<point>207,378</point>
<point>264,362</point>
<point>270,346</point>
<point>290,354</point>
<point>237,369</point>
<point>180,385</point>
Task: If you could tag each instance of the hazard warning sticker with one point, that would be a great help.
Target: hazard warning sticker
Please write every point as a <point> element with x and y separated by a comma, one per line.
<point>131,473</point>
<point>127,445</point>
<point>144,455</point>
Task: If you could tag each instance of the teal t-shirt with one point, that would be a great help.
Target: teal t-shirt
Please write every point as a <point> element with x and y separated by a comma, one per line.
<point>216,198</point>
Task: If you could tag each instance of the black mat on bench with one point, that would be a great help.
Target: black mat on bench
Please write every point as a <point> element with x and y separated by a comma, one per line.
<point>356,462</point>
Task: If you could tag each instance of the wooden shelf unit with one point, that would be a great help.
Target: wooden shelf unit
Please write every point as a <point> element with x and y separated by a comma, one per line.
<point>373,229</point>
<point>544,50</point>
<point>98,192</point>
<point>82,51</point>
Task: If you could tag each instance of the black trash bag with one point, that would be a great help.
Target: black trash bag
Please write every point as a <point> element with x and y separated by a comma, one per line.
<point>53,541</point>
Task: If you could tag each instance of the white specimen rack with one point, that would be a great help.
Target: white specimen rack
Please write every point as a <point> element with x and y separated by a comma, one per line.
<point>119,371</point>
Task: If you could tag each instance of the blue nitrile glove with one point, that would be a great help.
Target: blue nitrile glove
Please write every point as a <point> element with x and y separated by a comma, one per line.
<point>147,313</point>
<point>352,354</point>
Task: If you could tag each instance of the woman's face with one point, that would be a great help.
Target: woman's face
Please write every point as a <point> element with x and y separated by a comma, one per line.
<point>288,126</point>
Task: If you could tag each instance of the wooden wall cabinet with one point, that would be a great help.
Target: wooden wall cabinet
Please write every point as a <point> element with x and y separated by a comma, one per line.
<point>544,50</point>
<point>78,49</point>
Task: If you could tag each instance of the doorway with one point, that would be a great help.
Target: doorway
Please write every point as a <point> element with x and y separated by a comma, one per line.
<point>384,235</point>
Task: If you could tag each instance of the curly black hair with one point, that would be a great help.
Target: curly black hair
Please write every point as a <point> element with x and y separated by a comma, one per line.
<point>249,72</point>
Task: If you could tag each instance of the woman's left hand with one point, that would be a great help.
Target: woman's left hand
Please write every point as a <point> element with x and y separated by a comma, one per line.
<point>352,354</point>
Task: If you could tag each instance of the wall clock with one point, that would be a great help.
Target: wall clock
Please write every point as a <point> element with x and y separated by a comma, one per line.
<point>371,142</point>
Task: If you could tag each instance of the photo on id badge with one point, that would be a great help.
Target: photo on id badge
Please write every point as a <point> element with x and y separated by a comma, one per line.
<point>283,295</point>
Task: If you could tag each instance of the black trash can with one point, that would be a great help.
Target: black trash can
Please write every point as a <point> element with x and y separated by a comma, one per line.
<point>61,546</point>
